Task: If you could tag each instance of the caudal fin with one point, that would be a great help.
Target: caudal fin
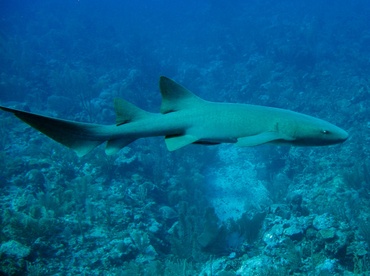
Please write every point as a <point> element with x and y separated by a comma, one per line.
<point>84,137</point>
<point>80,137</point>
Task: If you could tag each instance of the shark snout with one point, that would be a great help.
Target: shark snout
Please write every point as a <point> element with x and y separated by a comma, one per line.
<point>339,135</point>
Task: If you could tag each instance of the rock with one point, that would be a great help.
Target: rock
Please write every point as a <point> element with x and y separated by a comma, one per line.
<point>357,249</point>
<point>14,249</point>
<point>324,221</point>
<point>273,236</point>
<point>281,210</point>
<point>150,252</point>
<point>327,234</point>
<point>36,180</point>
<point>294,232</point>
<point>154,226</point>
<point>327,267</point>
<point>168,213</point>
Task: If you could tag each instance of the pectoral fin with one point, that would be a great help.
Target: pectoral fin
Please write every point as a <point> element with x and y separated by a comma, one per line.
<point>262,138</point>
<point>177,142</point>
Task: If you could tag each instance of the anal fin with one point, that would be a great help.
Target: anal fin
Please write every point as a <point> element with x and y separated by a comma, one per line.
<point>113,146</point>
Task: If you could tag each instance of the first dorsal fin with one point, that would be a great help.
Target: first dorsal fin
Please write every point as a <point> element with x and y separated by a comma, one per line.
<point>175,96</point>
<point>127,112</point>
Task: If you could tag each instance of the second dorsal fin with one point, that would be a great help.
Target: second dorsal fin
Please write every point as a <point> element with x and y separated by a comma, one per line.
<point>127,112</point>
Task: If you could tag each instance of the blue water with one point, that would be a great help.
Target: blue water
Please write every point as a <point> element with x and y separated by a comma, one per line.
<point>199,210</point>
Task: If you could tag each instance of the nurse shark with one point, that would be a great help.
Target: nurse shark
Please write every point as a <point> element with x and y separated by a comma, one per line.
<point>186,119</point>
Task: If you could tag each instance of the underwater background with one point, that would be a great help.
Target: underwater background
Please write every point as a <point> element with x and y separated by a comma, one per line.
<point>220,210</point>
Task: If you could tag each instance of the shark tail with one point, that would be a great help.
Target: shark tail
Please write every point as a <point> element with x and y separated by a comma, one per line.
<point>84,137</point>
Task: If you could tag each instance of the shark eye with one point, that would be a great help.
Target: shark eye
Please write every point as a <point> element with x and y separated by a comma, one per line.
<point>324,131</point>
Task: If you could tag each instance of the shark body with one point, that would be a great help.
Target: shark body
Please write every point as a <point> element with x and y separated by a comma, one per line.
<point>187,119</point>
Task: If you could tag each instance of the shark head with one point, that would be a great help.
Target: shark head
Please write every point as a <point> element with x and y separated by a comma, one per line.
<point>316,132</point>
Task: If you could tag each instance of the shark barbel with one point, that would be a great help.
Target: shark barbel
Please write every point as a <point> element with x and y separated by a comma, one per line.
<point>187,119</point>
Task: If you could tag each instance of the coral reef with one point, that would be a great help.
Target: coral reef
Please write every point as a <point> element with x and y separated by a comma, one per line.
<point>201,210</point>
